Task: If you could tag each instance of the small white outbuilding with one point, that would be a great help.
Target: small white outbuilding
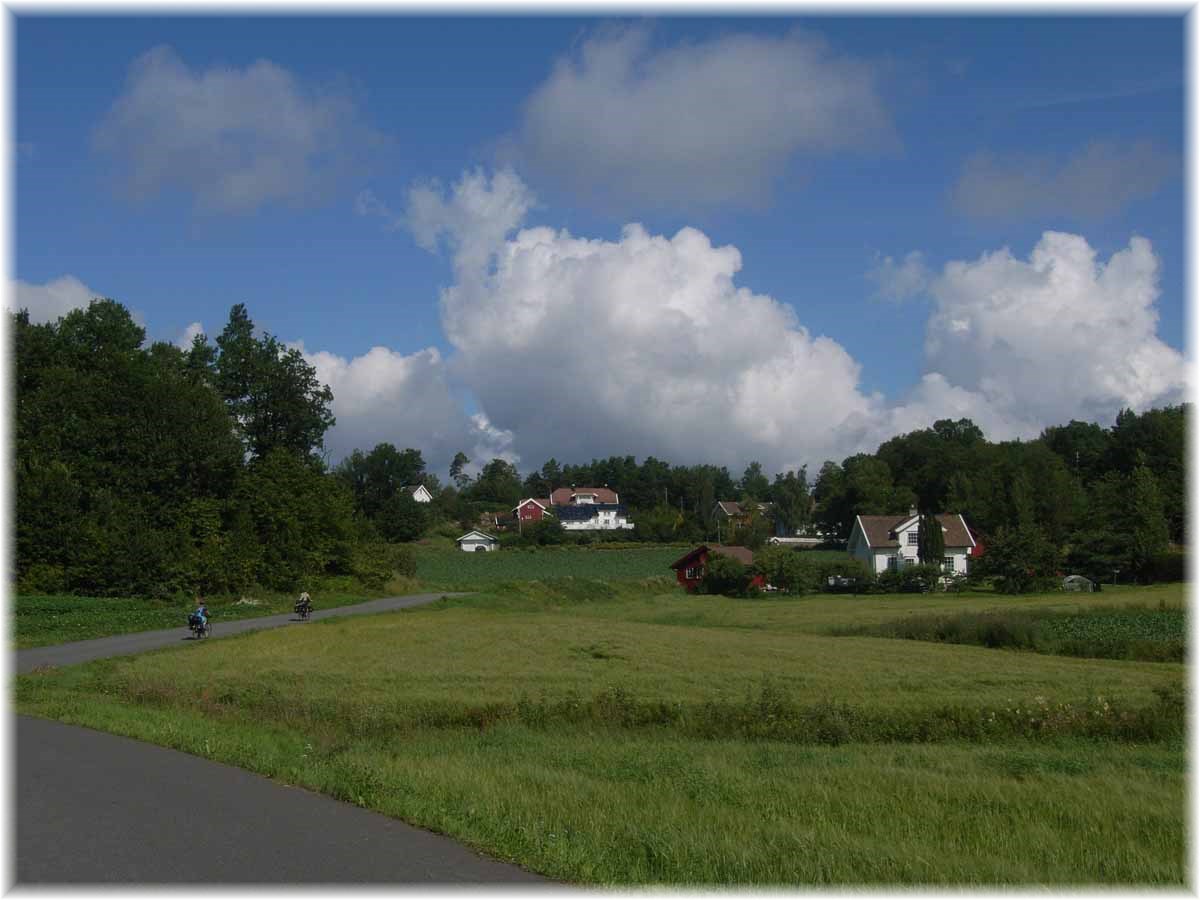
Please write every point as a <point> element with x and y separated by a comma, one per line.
<point>478,540</point>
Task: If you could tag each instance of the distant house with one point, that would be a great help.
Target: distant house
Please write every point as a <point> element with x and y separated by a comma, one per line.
<point>689,568</point>
<point>588,509</point>
<point>890,542</point>
<point>419,492</point>
<point>738,514</point>
<point>474,541</point>
<point>531,510</point>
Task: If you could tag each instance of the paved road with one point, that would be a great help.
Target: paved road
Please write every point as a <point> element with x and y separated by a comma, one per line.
<point>96,808</point>
<point>127,644</point>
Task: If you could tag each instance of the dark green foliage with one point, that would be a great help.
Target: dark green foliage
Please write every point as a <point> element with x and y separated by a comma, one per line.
<point>131,478</point>
<point>376,563</point>
<point>402,518</point>
<point>1020,559</point>
<point>917,579</point>
<point>931,543</point>
<point>1100,632</point>
<point>725,575</point>
<point>546,533</point>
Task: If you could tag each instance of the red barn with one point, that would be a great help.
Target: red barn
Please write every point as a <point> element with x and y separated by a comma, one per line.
<point>689,568</point>
<point>530,510</point>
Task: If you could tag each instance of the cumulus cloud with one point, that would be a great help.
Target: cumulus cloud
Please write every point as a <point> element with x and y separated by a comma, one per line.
<point>900,281</point>
<point>184,341</point>
<point>1098,181</point>
<point>406,400</point>
<point>1061,335</point>
<point>50,301</point>
<point>234,138</point>
<point>646,344</point>
<point>697,124</point>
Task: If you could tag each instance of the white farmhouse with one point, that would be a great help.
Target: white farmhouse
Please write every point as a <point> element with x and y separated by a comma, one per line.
<point>474,541</point>
<point>589,509</point>
<point>890,542</point>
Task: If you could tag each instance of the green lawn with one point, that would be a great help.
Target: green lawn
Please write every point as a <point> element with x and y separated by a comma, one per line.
<point>616,733</point>
<point>444,569</point>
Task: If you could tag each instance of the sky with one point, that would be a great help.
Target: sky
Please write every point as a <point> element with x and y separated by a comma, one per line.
<point>782,238</point>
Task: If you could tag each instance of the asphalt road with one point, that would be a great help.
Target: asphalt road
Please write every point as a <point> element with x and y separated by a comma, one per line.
<point>139,642</point>
<point>97,808</point>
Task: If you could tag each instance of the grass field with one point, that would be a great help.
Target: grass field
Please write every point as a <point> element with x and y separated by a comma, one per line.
<point>447,569</point>
<point>40,620</point>
<point>620,733</point>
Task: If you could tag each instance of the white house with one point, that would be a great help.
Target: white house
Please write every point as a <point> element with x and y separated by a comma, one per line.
<point>589,509</point>
<point>419,492</point>
<point>890,542</point>
<point>478,540</point>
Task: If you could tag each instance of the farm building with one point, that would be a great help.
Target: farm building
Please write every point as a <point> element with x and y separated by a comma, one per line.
<point>473,541</point>
<point>689,568</point>
<point>890,542</point>
<point>530,510</point>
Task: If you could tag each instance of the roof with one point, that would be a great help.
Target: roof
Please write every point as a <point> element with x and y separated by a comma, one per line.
<point>483,534</point>
<point>562,496</point>
<point>742,554</point>
<point>734,508</point>
<point>880,531</point>
<point>530,500</point>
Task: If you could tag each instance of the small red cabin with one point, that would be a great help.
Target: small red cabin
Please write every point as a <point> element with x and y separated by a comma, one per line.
<point>689,568</point>
<point>530,510</point>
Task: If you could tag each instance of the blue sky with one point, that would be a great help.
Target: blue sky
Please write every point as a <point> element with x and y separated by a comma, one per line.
<point>826,150</point>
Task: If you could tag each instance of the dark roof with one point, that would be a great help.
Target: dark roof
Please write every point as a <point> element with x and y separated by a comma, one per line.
<point>880,530</point>
<point>562,496</point>
<point>742,554</point>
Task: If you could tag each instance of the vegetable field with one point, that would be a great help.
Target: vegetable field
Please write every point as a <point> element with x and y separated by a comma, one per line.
<point>453,569</point>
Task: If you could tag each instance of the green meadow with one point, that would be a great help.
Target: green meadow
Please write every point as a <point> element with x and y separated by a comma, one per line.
<point>621,733</point>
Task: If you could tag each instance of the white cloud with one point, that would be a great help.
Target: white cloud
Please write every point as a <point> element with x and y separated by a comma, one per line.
<point>1060,336</point>
<point>641,345</point>
<point>184,341</point>
<point>233,138</point>
<point>50,301</point>
<point>405,400</point>
<point>647,345</point>
<point>900,281</point>
<point>697,124</point>
<point>1098,181</point>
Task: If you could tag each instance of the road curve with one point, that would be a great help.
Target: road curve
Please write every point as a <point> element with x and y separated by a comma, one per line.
<point>139,642</point>
<point>96,808</point>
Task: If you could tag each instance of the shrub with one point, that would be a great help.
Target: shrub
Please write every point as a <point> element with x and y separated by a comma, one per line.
<point>918,579</point>
<point>725,575</point>
<point>1170,565</point>
<point>376,563</point>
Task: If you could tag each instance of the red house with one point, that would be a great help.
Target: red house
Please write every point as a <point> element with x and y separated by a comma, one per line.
<point>689,568</point>
<point>530,510</point>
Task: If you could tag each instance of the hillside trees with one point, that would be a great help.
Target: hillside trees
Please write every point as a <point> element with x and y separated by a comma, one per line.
<point>135,474</point>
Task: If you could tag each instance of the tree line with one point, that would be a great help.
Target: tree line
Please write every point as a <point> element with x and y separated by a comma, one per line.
<point>150,469</point>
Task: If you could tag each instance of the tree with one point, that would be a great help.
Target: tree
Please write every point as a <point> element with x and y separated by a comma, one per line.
<point>377,477</point>
<point>272,391</point>
<point>456,470</point>
<point>402,518</point>
<point>1148,534</point>
<point>1020,558</point>
<point>726,575</point>
<point>789,493</point>
<point>754,484</point>
<point>931,543</point>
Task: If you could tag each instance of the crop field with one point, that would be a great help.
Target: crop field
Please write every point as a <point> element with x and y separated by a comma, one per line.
<point>611,732</point>
<point>455,570</point>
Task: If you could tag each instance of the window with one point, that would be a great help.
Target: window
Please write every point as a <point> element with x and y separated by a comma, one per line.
<point>892,564</point>
<point>948,565</point>
<point>693,572</point>
<point>912,539</point>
